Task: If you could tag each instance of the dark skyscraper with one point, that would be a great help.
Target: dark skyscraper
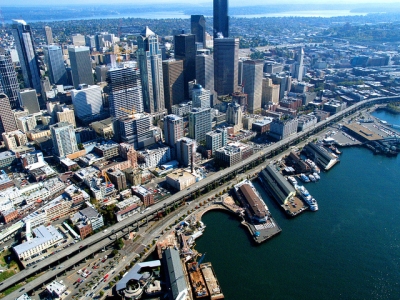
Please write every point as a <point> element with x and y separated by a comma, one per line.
<point>173,82</point>
<point>7,121</point>
<point>81,65</point>
<point>8,79</point>
<point>198,28</point>
<point>185,49</point>
<point>221,19</point>
<point>26,53</point>
<point>226,55</point>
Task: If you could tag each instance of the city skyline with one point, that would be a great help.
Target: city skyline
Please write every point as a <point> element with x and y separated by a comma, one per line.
<point>198,2</point>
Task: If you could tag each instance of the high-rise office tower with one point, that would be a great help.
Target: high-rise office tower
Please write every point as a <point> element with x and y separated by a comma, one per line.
<point>299,68</point>
<point>173,131</point>
<point>8,79</point>
<point>270,92</point>
<point>150,65</point>
<point>136,130</point>
<point>54,59</point>
<point>200,97</point>
<point>88,102</point>
<point>98,38</point>
<point>81,65</point>
<point>252,83</point>
<point>205,70</point>
<point>199,123</point>
<point>185,49</point>
<point>49,35</point>
<point>29,100</point>
<point>198,28</point>
<point>284,81</point>
<point>26,53</point>
<point>173,82</point>
<point>226,55</point>
<point>7,121</point>
<point>101,73</point>
<point>90,41</point>
<point>78,40</point>
<point>125,91</point>
<point>221,19</point>
<point>64,140</point>
<point>234,115</point>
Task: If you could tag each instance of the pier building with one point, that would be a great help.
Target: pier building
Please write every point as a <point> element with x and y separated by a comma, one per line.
<point>320,155</point>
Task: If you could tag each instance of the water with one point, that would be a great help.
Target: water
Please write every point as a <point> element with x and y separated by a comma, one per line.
<point>349,249</point>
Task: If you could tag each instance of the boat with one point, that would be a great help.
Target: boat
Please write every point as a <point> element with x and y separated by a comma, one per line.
<point>304,177</point>
<point>292,180</point>
<point>316,176</point>
<point>305,195</point>
<point>313,165</point>
<point>312,178</point>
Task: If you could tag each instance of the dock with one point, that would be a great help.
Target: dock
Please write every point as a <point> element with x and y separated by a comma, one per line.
<point>211,281</point>
<point>258,218</point>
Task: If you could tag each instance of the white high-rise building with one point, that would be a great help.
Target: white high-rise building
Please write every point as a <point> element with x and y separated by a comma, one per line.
<point>64,140</point>
<point>199,123</point>
<point>150,65</point>
<point>200,97</point>
<point>88,101</point>
<point>54,59</point>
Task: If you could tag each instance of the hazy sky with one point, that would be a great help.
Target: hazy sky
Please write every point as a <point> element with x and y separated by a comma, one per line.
<point>194,2</point>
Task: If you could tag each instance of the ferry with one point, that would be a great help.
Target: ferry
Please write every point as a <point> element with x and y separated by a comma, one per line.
<point>292,180</point>
<point>305,195</point>
<point>304,177</point>
<point>312,178</point>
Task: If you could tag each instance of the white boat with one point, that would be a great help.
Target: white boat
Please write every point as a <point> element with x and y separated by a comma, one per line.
<point>316,176</point>
<point>304,177</point>
<point>292,180</point>
<point>312,178</point>
<point>305,195</point>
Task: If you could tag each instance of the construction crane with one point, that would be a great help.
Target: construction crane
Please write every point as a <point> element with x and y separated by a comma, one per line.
<point>130,112</point>
<point>197,264</point>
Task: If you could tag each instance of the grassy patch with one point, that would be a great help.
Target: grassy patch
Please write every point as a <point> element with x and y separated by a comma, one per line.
<point>10,290</point>
<point>3,257</point>
<point>6,274</point>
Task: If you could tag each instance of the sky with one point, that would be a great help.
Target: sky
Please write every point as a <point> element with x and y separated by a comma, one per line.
<point>194,2</point>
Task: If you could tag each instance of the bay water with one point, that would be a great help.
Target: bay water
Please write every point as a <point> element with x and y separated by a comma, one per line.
<point>349,249</point>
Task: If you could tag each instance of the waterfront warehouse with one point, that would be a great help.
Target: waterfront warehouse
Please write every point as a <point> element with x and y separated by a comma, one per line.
<point>320,155</point>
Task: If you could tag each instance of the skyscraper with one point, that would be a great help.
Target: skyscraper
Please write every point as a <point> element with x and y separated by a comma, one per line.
<point>173,131</point>
<point>221,19</point>
<point>150,65</point>
<point>49,35</point>
<point>252,83</point>
<point>8,79</point>
<point>200,97</point>
<point>88,102</point>
<point>299,68</point>
<point>7,121</point>
<point>64,140</point>
<point>81,65</point>
<point>205,70</point>
<point>26,53</point>
<point>53,57</point>
<point>125,91</point>
<point>199,123</point>
<point>226,55</point>
<point>29,100</point>
<point>185,49</point>
<point>198,28</point>
<point>173,82</point>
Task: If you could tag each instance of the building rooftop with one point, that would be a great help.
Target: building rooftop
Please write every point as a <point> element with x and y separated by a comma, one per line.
<point>134,274</point>
<point>175,271</point>
<point>43,234</point>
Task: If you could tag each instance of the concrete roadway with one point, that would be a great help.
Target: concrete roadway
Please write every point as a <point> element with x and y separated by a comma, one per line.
<point>89,244</point>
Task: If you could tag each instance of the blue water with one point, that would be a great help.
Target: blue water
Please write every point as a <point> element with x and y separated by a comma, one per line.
<point>349,249</point>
